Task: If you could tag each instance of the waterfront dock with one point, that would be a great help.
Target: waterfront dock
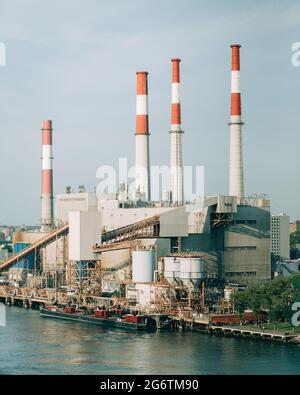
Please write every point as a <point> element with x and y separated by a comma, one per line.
<point>29,297</point>
<point>250,332</point>
<point>197,324</point>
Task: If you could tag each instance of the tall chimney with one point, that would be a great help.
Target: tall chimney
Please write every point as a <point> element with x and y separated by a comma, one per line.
<point>236,171</point>
<point>176,168</point>
<point>47,220</point>
<point>142,166</point>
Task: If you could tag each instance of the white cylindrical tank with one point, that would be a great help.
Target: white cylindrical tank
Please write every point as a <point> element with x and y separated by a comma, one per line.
<point>166,196</point>
<point>227,293</point>
<point>192,270</point>
<point>171,269</point>
<point>143,266</point>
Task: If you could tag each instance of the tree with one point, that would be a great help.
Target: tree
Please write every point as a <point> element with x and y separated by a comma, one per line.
<point>279,295</point>
<point>276,297</point>
<point>240,302</point>
<point>294,240</point>
<point>256,300</point>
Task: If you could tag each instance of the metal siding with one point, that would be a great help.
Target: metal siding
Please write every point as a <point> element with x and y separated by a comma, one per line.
<point>22,264</point>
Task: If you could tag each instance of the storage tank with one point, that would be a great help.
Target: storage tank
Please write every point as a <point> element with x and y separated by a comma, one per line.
<point>143,266</point>
<point>192,271</point>
<point>171,269</point>
<point>166,196</point>
<point>227,293</point>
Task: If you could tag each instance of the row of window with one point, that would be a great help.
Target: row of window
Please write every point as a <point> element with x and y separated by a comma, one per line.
<point>245,222</point>
<point>236,274</point>
<point>240,248</point>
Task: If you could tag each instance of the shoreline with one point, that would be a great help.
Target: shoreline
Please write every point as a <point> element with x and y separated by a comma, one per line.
<point>275,336</point>
<point>237,331</point>
<point>247,332</point>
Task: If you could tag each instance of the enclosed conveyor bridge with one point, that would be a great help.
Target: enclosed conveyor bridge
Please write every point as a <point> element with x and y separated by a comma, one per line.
<point>34,247</point>
<point>147,228</point>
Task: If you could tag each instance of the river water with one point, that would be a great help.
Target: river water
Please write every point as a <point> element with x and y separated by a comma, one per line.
<point>30,344</point>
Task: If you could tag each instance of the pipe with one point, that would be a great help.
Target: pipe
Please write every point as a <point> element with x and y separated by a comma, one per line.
<point>155,276</point>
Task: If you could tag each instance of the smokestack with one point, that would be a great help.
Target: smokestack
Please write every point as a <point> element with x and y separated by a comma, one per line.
<point>47,221</point>
<point>142,166</point>
<point>176,168</point>
<point>236,171</point>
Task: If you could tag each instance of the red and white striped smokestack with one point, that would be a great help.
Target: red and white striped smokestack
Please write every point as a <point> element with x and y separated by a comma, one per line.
<point>47,220</point>
<point>176,168</point>
<point>236,170</point>
<point>142,165</point>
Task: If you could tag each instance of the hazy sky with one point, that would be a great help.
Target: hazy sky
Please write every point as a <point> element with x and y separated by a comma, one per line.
<point>74,61</point>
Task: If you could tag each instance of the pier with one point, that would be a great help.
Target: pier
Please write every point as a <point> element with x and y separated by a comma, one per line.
<point>29,297</point>
<point>249,332</point>
<point>185,323</point>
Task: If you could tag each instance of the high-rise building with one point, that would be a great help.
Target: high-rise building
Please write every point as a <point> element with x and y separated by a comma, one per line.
<point>280,235</point>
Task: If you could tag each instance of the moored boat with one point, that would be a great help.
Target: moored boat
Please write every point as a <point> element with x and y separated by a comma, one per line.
<point>100,317</point>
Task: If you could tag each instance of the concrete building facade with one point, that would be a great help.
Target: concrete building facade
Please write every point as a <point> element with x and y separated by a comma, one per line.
<point>68,202</point>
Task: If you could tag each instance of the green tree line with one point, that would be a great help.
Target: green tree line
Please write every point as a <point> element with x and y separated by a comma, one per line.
<point>275,297</point>
<point>294,240</point>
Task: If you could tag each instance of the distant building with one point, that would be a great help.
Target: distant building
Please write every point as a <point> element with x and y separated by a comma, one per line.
<point>4,254</point>
<point>280,235</point>
<point>295,227</point>
<point>287,267</point>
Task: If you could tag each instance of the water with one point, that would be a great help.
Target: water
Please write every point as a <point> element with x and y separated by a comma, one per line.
<point>30,344</point>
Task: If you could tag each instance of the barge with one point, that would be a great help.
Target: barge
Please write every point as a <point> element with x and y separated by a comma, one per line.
<point>100,317</point>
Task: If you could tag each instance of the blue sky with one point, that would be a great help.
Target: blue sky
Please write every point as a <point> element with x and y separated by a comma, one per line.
<point>75,61</point>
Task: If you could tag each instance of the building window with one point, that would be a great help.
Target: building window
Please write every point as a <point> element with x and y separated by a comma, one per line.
<point>240,248</point>
<point>240,274</point>
<point>251,221</point>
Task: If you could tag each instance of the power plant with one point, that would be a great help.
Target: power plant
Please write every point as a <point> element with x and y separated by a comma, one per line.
<point>165,257</point>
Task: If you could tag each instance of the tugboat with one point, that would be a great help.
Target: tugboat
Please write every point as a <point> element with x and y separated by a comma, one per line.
<point>101,317</point>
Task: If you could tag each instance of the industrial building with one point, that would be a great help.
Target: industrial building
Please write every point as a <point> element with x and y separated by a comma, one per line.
<point>151,254</point>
